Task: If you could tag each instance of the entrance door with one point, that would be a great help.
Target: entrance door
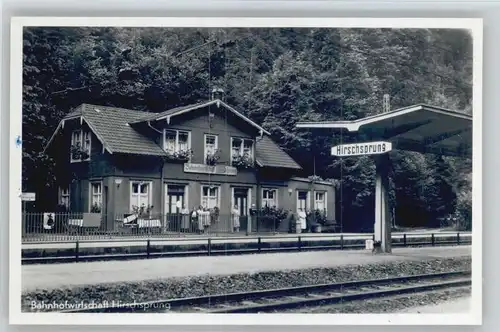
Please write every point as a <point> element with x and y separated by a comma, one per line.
<point>175,200</point>
<point>240,199</point>
<point>302,200</point>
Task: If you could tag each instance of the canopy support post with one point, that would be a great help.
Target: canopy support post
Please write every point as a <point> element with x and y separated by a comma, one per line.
<point>382,227</point>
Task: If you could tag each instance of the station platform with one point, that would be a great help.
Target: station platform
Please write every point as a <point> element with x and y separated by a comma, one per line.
<point>116,242</point>
<point>53,276</point>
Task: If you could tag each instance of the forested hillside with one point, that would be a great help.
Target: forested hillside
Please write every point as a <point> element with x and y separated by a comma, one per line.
<point>274,76</point>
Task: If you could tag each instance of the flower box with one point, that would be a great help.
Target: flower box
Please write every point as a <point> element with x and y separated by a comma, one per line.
<point>212,158</point>
<point>78,153</point>
<point>181,155</point>
<point>243,161</point>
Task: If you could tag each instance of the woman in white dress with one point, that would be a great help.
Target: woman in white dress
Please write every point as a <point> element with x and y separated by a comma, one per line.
<point>236,219</point>
<point>302,219</point>
<point>184,219</point>
<point>205,217</point>
<point>200,228</point>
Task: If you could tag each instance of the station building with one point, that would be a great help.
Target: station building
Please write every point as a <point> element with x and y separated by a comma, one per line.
<point>110,160</point>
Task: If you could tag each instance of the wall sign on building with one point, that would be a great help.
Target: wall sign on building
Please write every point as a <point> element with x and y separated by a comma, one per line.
<point>28,197</point>
<point>207,169</point>
<point>361,149</point>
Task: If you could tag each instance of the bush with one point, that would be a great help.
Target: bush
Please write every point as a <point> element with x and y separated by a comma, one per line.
<point>464,211</point>
<point>271,217</point>
<point>317,217</point>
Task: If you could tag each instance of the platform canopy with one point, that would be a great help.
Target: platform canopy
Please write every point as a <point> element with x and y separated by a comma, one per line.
<point>420,128</point>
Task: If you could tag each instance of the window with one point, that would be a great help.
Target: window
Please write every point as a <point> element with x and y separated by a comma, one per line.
<point>80,145</point>
<point>236,146</point>
<point>248,147</point>
<point>320,201</point>
<point>210,197</point>
<point>241,146</point>
<point>170,141</point>
<point>95,197</point>
<point>176,140</point>
<point>269,198</point>
<point>183,140</point>
<point>211,145</point>
<point>64,197</point>
<point>76,137</point>
<point>140,195</point>
<point>86,143</point>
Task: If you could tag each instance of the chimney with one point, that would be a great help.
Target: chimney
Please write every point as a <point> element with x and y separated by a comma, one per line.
<point>386,103</point>
<point>218,93</point>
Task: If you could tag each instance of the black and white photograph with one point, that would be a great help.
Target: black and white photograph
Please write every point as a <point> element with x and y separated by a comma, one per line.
<point>292,168</point>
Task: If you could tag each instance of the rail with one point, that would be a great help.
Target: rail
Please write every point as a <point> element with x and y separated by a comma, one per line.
<point>275,295</point>
<point>84,251</point>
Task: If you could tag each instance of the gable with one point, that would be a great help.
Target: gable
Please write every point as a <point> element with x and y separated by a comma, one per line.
<point>214,105</point>
<point>212,119</point>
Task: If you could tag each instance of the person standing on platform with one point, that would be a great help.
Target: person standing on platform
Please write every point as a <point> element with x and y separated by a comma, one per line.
<point>177,217</point>
<point>215,216</point>
<point>205,219</point>
<point>194,219</point>
<point>199,225</point>
<point>309,221</point>
<point>184,219</point>
<point>253,220</point>
<point>289,220</point>
<point>302,223</point>
<point>236,219</point>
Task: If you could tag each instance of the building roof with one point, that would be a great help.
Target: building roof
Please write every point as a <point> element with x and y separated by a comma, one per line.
<point>112,126</point>
<point>269,154</point>
<point>420,128</point>
<point>172,111</point>
<point>168,114</point>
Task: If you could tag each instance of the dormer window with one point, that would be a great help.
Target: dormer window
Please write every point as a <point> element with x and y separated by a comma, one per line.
<point>81,141</point>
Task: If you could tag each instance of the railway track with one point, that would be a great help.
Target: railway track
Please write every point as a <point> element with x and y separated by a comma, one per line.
<point>275,300</point>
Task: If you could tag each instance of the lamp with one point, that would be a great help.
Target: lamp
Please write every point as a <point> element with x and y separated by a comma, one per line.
<point>290,191</point>
<point>118,182</point>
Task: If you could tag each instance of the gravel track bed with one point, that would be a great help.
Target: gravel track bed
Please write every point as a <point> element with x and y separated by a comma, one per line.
<point>212,284</point>
<point>390,304</point>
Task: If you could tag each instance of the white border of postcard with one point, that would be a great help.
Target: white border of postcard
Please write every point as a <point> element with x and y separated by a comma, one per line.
<point>474,317</point>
